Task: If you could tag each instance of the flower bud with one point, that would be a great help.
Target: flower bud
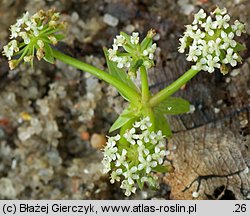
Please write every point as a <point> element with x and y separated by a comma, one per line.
<point>13,64</point>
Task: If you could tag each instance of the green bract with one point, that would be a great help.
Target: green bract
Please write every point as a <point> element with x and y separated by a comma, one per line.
<point>32,36</point>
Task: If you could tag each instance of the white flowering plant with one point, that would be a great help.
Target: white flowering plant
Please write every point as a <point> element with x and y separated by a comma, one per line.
<point>137,152</point>
<point>211,41</point>
<point>32,36</point>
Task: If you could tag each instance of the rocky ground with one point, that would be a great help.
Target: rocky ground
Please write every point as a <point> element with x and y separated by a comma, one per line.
<point>54,118</point>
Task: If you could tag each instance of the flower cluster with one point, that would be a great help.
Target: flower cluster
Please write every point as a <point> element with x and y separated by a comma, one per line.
<point>136,54</point>
<point>33,34</point>
<point>134,162</point>
<point>210,41</point>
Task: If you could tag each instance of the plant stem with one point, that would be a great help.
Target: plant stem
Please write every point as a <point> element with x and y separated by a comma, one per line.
<point>132,95</point>
<point>144,84</point>
<point>172,88</point>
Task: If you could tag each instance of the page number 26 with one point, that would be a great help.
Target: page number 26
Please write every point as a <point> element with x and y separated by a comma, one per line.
<point>240,208</point>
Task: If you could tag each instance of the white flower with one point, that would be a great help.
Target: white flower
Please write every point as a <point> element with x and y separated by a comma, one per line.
<point>25,37</point>
<point>110,153</point>
<point>146,163</point>
<point>131,175</point>
<point>141,149</point>
<point>199,16</point>
<point>214,46</point>
<point>115,176</point>
<point>190,29</point>
<point>212,62</point>
<point>127,187</point>
<point>129,136</point>
<point>152,137</point>
<point>157,138</point>
<point>118,42</point>
<point>143,124</point>
<point>158,155</point>
<point>123,62</point>
<point>112,140</point>
<point>228,40</point>
<point>106,165</point>
<point>221,11</point>
<point>14,29</point>
<point>183,44</point>
<point>134,39</point>
<point>22,20</point>
<point>150,51</point>
<point>231,57</point>
<point>115,47</point>
<point>112,55</point>
<point>146,134</point>
<point>120,158</point>
<point>204,48</point>
<point>10,48</point>
<point>29,25</point>
<point>209,25</point>
<point>194,52</point>
<point>238,28</point>
<point>222,21</point>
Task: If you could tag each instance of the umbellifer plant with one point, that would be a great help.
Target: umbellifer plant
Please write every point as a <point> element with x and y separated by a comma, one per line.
<point>138,150</point>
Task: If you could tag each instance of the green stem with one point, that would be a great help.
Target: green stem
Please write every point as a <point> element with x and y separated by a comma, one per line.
<point>172,88</point>
<point>132,95</point>
<point>144,84</point>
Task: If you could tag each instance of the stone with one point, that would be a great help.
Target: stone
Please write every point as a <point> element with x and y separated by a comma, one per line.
<point>7,190</point>
<point>74,17</point>
<point>110,20</point>
<point>97,141</point>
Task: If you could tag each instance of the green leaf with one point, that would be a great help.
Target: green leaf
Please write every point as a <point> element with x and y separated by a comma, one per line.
<point>59,37</point>
<point>239,47</point>
<point>162,169</point>
<point>127,38</point>
<point>136,65</point>
<point>140,183</point>
<point>173,106</point>
<point>128,48</point>
<point>161,123</point>
<point>118,72</point>
<point>48,54</point>
<point>124,118</point>
<point>147,42</point>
